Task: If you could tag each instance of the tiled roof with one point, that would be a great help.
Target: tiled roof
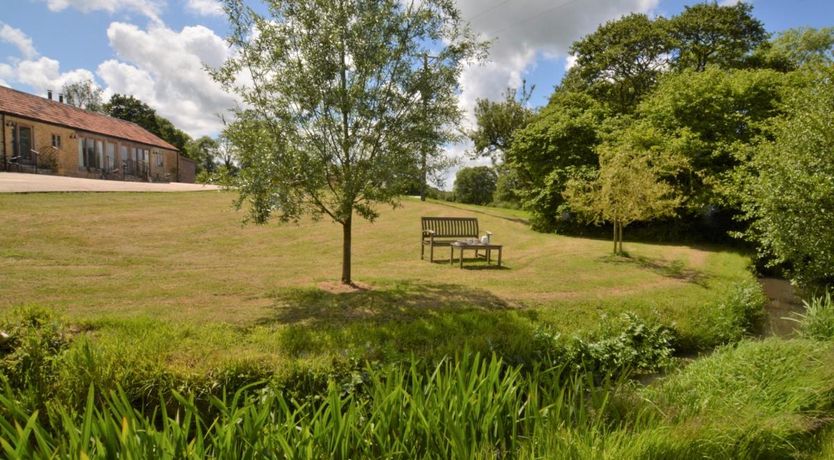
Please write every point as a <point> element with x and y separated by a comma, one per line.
<point>26,105</point>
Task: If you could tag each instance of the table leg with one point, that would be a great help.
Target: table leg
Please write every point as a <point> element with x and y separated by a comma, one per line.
<point>489,256</point>
<point>500,250</point>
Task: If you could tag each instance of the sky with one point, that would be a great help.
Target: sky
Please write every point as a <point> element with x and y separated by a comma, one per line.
<point>157,50</point>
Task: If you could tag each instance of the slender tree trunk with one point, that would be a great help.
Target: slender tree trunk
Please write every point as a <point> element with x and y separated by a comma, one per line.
<point>620,237</point>
<point>615,237</point>
<point>346,242</point>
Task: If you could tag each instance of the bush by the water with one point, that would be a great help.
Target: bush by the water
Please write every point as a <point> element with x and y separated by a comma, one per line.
<point>817,323</point>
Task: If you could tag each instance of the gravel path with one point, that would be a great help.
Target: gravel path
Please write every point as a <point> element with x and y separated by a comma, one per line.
<point>28,183</point>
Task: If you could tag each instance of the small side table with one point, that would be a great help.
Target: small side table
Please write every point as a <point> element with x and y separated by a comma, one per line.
<point>477,247</point>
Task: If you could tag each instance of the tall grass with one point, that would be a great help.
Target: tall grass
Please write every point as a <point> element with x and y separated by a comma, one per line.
<point>468,408</point>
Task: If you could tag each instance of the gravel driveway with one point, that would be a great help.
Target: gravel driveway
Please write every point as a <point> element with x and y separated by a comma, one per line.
<point>25,183</point>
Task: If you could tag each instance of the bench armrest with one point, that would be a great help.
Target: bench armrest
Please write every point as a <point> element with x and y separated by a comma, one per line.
<point>428,232</point>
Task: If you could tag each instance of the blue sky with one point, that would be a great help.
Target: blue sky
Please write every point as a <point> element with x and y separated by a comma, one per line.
<point>155,49</point>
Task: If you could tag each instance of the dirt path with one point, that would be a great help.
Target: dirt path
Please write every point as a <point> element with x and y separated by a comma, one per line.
<point>782,303</point>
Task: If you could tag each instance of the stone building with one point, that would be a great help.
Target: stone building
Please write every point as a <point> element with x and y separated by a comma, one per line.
<point>42,135</point>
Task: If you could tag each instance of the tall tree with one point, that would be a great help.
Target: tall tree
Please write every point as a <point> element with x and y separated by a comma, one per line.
<point>556,145</point>
<point>132,109</point>
<point>334,90</point>
<point>709,33</point>
<point>789,184</point>
<point>497,121</point>
<point>475,185</point>
<point>621,61</point>
<point>205,152</point>
<point>795,48</point>
<point>83,94</point>
<point>706,117</point>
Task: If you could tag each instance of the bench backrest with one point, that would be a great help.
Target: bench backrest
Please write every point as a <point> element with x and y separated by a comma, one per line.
<point>451,227</point>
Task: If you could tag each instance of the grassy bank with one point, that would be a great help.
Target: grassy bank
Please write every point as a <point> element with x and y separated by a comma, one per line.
<point>767,399</point>
<point>178,277</point>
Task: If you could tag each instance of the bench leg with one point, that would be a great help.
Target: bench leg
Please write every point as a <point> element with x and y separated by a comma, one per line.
<point>451,255</point>
<point>499,256</point>
<point>461,257</point>
<point>431,253</point>
<point>422,251</point>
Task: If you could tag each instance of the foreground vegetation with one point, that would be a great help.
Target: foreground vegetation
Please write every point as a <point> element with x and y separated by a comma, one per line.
<point>758,399</point>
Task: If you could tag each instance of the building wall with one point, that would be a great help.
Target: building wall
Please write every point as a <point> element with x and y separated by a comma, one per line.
<point>187,170</point>
<point>161,164</point>
<point>65,158</point>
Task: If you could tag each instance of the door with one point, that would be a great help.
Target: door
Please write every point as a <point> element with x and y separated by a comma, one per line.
<point>24,144</point>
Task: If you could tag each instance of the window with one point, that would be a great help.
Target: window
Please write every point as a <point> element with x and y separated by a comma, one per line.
<point>89,156</point>
<point>100,153</point>
<point>160,158</point>
<point>111,156</point>
<point>56,141</point>
<point>123,153</point>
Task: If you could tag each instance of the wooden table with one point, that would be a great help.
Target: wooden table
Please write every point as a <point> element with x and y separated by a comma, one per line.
<point>477,247</point>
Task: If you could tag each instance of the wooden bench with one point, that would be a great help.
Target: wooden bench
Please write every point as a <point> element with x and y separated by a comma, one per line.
<point>443,231</point>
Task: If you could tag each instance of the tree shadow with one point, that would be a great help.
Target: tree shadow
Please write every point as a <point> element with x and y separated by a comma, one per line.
<point>403,301</point>
<point>675,269</point>
<point>429,320</point>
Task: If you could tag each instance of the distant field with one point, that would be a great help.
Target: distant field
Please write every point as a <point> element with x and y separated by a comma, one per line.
<point>185,264</point>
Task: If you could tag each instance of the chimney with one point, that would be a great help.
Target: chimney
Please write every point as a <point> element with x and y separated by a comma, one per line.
<point>61,98</point>
<point>49,94</point>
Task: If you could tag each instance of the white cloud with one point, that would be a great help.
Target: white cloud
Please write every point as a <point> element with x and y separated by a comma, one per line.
<point>148,8</point>
<point>523,31</point>
<point>45,73</point>
<point>19,39</point>
<point>166,69</point>
<point>205,7</point>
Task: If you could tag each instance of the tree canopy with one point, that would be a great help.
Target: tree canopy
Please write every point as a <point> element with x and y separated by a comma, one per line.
<point>132,109</point>
<point>83,94</point>
<point>789,184</point>
<point>340,99</point>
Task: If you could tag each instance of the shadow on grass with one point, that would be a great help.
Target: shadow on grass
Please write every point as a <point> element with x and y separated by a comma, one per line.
<point>400,302</point>
<point>670,269</point>
<point>428,320</point>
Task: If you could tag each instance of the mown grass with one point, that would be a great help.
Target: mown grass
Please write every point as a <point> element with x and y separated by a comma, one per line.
<point>180,275</point>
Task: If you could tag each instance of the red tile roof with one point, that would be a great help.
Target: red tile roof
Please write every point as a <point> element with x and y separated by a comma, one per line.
<point>26,105</point>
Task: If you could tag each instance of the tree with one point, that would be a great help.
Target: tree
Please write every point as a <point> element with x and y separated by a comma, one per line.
<point>795,48</point>
<point>789,185</point>
<point>556,145</point>
<point>205,152</point>
<point>708,33</point>
<point>706,117</point>
<point>132,109</point>
<point>627,188</point>
<point>497,121</point>
<point>334,102</point>
<point>83,94</point>
<point>475,185</point>
<point>621,61</point>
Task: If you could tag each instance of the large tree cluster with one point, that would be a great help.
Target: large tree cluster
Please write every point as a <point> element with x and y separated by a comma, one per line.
<point>692,116</point>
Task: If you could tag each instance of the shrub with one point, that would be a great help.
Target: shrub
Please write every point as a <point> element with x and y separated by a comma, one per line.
<point>475,185</point>
<point>817,323</point>
<point>729,320</point>
<point>628,345</point>
<point>28,359</point>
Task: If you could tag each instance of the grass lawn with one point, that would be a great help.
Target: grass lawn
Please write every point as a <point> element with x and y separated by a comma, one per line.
<point>179,275</point>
